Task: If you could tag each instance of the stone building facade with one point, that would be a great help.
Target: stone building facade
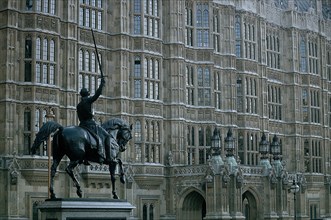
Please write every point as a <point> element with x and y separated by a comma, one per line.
<point>177,70</point>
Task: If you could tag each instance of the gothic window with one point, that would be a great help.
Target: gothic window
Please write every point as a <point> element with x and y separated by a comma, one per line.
<point>217,90</point>
<point>313,156</point>
<point>249,40</point>
<point>137,77</point>
<point>137,140</point>
<point>152,142</point>
<point>88,70</point>
<point>305,105</point>
<point>90,14</point>
<point>151,78</point>
<point>28,47</point>
<point>238,36</point>
<point>316,156</point>
<point>198,153</point>
<point>312,57</point>
<point>44,6</point>
<point>137,17</point>
<point>303,55</point>
<point>40,119</point>
<point>202,24</point>
<point>189,27</point>
<point>307,155</point>
<point>315,106</point>
<point>273,50</point>
<point>137,130</point>
<point>313,210</point>
<point>251,95</point>
<point>149,209</point>
<point>204,88</point>
<point>216,32</point>
<point>252,149</point>
<point>239,95</point>
<point>45,66</point>
<point>190,145</point>
<point>151,18</point>
<point>241,151</point>
<point>274,102</point>
<point>190,87</point>
<point>28,60</point>
<point>328,63</point>
<point>27,131</point>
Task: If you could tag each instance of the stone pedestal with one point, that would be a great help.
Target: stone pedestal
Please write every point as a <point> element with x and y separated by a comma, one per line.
<point>85,209</point>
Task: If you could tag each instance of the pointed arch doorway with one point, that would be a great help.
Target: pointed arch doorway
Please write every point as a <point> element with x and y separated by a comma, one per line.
<point>249,206</point>
<point>193,207</point>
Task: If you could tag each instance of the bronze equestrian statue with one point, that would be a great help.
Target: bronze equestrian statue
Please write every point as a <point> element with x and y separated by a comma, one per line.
<point>75,142</point>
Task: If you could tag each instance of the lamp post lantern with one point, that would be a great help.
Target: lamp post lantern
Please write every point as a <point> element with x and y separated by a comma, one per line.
<point>294,189</point>
<point>216,143</point>
<point>264,147</point>
<point>275,148</point>
<point>216,160</point>
<point>229,143</point>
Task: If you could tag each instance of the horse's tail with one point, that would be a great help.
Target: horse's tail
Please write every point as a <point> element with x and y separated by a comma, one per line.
<point>44,132</point>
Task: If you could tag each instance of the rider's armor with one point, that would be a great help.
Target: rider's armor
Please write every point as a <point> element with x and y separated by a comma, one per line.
<point>85,116</point>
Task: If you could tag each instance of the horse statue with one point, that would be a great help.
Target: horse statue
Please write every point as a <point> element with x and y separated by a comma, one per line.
<point>75,143</point>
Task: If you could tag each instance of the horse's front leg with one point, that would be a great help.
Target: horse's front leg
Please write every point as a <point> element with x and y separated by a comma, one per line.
<point>70,171</point>
<point>122,175</point>
<point>112,167</point>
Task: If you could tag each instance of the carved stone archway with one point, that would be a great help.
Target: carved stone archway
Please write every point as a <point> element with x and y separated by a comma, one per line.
<point>250,209</point>
<point>193,206</point>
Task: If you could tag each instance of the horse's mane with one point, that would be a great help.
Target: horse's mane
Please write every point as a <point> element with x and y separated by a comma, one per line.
<point>114,123</point>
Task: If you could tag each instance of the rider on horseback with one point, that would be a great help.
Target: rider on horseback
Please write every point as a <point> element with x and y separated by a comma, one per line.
<point>85,116</point>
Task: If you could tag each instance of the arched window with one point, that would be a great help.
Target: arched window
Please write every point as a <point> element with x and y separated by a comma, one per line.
<point>45,65</point>
<point>137,131</point>
<point>88,70</point>
<point>238,36</point>
<point>199,18</point>
<point>303,55</point>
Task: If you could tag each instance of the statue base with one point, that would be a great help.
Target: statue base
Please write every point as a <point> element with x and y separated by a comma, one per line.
<point>85,209</point>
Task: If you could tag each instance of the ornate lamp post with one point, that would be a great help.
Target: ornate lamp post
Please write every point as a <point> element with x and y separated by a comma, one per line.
<point>229,143</point>
<point>264,147</point>
<point>216,143</point>
<point>216,159</point>
<point>294,189</point>
<point>264,150</point>
<point>275,148</point>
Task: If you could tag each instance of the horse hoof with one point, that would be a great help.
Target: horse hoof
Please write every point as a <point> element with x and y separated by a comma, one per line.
<point>79,193</point>
<point>53,196</point>
<point>122,179</point>
<point>115,196</point>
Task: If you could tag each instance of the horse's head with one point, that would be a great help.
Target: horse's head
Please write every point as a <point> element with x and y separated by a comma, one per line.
<point>122,130</point>
<point>123,136</point>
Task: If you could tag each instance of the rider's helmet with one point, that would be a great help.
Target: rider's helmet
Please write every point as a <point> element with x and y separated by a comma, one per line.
<point>84,92</point>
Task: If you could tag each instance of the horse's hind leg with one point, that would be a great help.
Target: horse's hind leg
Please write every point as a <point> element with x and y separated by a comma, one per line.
<point>53,172</point>
<point>70,171</point>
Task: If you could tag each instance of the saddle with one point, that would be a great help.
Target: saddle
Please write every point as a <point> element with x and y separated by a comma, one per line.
<point>93,138</point>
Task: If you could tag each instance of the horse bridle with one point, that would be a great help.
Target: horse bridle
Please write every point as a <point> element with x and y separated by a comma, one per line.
<point>123,139</point>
